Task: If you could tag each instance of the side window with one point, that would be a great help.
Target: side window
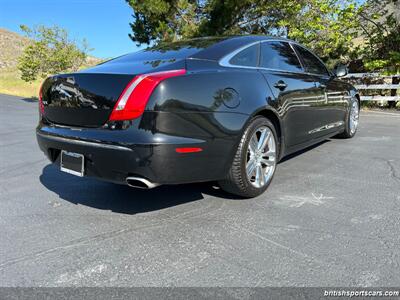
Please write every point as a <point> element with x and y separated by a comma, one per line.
<point>311,62</point>
<point>280,56</point>
<point>248,57</point>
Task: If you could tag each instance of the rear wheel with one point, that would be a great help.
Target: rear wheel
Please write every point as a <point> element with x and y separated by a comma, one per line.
<point>255,161</point>
<point>352,120</point>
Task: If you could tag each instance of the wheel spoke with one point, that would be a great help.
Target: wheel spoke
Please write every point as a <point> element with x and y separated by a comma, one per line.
<point>269,162</point>
<point>265,178</point>
<point>269,154</point>
<point>259,176</point>
<point>250,167</point>
<point>265,135</point>
<point>262,177</point>
<point>253,144</point>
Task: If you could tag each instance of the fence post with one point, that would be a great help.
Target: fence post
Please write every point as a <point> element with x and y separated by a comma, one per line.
<point>395,80</point>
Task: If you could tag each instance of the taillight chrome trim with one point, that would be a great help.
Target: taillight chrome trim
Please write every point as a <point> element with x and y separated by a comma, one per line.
<point>127,95</point>
<point>128,91</point>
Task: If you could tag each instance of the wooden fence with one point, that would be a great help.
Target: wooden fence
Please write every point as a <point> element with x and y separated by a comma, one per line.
<point>375,87</point>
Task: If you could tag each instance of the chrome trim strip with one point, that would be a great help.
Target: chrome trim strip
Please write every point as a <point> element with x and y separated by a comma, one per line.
<point>82,143</point>
<point>326,127</point>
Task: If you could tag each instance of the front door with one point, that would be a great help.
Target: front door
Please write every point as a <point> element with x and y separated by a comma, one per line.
<point>332,110</point>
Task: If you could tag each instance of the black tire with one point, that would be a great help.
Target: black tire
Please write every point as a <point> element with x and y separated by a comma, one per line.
<point>236,181</point>
<point>348,133</point>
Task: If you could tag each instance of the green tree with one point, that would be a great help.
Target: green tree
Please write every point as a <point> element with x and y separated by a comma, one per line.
<point>381,31</point>
<point>326,26</point>
<point>380,23</point>
<point>164,20</point>
<point>50,51</point>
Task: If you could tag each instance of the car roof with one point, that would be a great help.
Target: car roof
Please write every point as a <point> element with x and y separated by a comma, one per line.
<point>214,47</point>
<point>219,50</point>
<point>209,48</point>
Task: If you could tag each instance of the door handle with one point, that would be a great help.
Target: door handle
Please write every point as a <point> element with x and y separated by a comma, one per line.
<point>281,85</point>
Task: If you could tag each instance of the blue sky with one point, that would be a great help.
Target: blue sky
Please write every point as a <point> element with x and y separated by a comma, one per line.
<point>104,23</point>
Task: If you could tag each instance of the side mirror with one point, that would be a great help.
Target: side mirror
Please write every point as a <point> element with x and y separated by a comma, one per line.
<point>341,70</point>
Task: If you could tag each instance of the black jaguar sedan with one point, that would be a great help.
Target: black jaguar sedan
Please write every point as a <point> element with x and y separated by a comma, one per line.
<point>210,109</point>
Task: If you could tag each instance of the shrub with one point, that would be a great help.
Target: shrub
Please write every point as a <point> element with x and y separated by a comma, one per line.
<point>50,51</point>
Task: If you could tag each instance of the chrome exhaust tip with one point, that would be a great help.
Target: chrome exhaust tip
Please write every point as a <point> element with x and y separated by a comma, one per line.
<point>141,183</point>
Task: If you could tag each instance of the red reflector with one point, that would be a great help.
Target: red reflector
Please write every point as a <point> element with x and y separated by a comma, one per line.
<point>134,98</point>
<point>41,106</point>
<point>188,150</point>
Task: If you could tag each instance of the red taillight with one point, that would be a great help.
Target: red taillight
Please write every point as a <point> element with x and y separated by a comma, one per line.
<point>41,106</point>
<point>188,149</point>
<point>133,100</point>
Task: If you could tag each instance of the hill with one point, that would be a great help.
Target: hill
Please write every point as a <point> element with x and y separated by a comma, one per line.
<point>11,46</point>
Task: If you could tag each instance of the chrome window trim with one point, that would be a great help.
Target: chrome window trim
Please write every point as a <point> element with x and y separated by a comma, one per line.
<point>298,57</point>
<point>224,61</point>
<point>316,56</point>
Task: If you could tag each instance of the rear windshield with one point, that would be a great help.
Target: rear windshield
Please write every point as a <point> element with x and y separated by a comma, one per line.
<point>168,51</point>
<point>147,55</point>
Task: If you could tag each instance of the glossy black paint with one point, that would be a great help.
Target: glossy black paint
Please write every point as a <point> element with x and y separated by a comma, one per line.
<point>208,107</point>
<point>82,99</point>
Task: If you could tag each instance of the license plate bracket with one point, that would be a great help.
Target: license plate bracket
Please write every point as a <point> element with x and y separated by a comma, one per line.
<point>72,163</point>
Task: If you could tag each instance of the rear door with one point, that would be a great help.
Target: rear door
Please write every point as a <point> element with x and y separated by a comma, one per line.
<point>296,95</point>
<point>332,110</point>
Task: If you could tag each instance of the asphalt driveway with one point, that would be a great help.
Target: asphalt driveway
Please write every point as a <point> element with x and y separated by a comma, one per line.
<point>331,217</point>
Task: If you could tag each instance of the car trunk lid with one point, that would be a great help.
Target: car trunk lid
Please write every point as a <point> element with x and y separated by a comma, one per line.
<point>87,98</point>
<point>82,99</point>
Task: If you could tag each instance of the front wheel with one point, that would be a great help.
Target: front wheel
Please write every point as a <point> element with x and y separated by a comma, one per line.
<point>352,120</point>
<point>255,161</point>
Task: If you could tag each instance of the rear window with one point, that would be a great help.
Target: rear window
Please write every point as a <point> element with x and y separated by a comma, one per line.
<point>279,56</point>
<point>153,55</point>
<point>248,57</point>
<point>168,51</point>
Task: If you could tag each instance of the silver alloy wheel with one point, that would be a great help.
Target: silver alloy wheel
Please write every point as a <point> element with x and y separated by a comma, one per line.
<point>261,157</point>
<point>354,114</point>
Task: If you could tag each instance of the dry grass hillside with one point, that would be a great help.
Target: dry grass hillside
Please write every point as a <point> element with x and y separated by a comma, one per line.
<point>11,47</point>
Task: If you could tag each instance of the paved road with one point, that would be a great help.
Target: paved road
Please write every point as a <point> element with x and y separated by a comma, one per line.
<point>331,217</point>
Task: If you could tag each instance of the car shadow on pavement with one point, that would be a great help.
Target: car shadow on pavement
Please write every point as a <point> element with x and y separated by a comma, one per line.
<point>300,152</point>
<point>120,198</point>
<point>30,100</point>
<point>124,199</point>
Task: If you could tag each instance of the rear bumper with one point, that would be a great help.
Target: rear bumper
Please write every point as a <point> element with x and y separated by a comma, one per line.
<point>115,155</point>
<point>108,162</point>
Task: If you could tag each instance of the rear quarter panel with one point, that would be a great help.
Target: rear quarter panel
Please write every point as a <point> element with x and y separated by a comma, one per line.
<point>208,103</point>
